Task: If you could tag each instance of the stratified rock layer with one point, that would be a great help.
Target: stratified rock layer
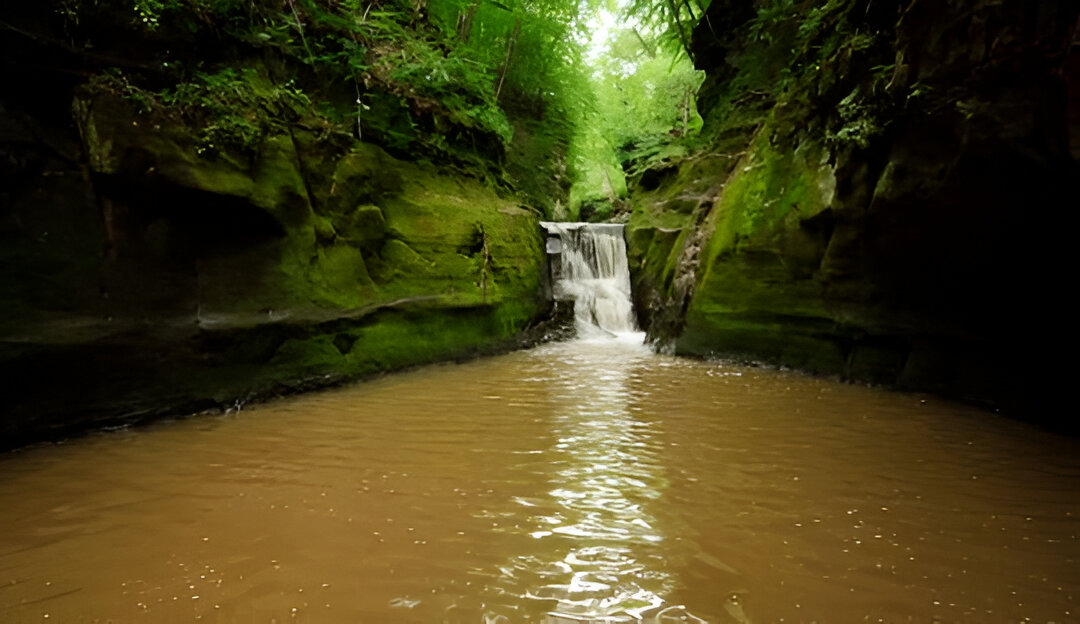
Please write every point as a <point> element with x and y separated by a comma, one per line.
<point>876,198</point>
<point>142,278</point>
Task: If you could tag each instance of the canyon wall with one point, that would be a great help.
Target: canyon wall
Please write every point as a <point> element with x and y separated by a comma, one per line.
<point>879,195</point>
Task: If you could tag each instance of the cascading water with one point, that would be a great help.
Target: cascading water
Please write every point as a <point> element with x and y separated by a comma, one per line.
<point>602,528</point>
<point>589,267</point>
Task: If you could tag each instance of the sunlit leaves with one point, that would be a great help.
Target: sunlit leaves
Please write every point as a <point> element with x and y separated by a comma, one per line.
<point>671,21</point>
<point>453,76</point>
<point>645,94</point>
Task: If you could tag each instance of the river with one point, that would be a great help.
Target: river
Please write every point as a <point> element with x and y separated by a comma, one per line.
<point>584,481</point>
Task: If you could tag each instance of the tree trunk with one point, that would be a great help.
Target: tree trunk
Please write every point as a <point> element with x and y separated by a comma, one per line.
<point>678,27</point>
<point>510,43</point>
<point>465,22</point>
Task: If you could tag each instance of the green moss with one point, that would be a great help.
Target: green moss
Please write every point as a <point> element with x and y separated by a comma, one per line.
<point>806,345</point>
<point>363,175</point>
<point>769,185</point>
<point>456,238</point>
<point>744,219</point>
<point>404,339</point>
<point>404,262</point>
<point>278,186</point>
<point>755,283</point>
<point>325,233</point>
<point>648,250</point>
<point>416,241</point>
<point>758,265</point>
<point>395,339</point>
<point>363,226</point>
<point>666,203</point>
<point>305,261</point>
<point>344,269</point>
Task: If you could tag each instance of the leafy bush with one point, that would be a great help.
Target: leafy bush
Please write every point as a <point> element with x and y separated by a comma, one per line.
<point>235,108</point>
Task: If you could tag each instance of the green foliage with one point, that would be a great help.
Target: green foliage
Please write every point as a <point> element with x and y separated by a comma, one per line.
<point>646,108</point>
<point>791,39</point>
<point>807,56</point>
<point>769,16</point>
<point>463,86</point>
<point>417,79</point>
<point>499,85</point>
<point>236,108</point>
<point>670,21</point>
<point>115,81</point>
<point>233,109</point>
<point>149,12</point>
<point>534,54</point>
<point>859,120</point>
<point>919,91</point>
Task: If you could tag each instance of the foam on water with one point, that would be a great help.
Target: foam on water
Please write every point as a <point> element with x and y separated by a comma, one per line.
<point>589,267</point>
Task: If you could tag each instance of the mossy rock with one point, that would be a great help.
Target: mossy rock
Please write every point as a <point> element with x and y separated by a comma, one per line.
<point>255,292</point>
<point>364,226</point>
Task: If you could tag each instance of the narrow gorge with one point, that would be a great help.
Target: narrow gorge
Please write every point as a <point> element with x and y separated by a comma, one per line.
<point>537,311</point>
<point>206,205</point>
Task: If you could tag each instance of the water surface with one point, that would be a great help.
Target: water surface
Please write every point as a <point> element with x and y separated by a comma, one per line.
<point>575,482</point>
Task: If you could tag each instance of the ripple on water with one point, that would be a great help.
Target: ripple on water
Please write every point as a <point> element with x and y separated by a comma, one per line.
<point>575,482</point>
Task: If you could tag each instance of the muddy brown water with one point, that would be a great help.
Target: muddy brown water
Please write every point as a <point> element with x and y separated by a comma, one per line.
<point>575,482</point>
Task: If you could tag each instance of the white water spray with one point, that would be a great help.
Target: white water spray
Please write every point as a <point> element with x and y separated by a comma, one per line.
<point>589,267</point>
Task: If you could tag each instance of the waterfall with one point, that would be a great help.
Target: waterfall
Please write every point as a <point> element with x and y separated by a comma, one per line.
<point>589,267</point>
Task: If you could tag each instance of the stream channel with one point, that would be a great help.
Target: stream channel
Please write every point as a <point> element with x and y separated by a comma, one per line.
<point>584,481</point>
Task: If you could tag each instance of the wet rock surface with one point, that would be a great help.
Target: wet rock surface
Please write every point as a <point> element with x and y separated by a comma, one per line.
<point>143,279</point>
<point>882,215</point>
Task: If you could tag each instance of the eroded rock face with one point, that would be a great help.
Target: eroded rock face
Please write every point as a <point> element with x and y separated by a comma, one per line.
<point>884,216</point>
<point>142,277</point>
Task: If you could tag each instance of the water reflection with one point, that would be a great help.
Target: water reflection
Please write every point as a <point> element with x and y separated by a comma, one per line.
<point>577,483</point>
<point>596,556</point>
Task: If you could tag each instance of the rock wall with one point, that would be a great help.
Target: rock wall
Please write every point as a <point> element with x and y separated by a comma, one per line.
<point>142,278</point>
<point>876,198</point>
